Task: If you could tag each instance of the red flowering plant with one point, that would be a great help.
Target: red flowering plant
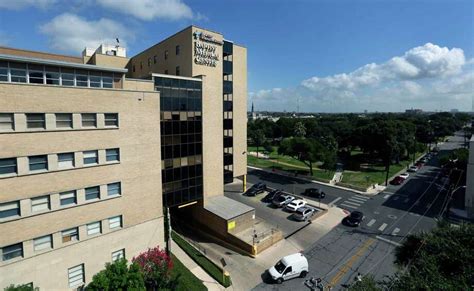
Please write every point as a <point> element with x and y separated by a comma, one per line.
<point>156,268</point>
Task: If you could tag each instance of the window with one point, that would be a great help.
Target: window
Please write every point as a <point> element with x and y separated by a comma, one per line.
<point>94,228</point>
<point>10,209</point>
<point>18,72</point>
<point>76,276</point>
<point>178,48</point>
<point>8,166</point>
<point>89,120</point>
<point>115,222</point>
<point>133,68</point>
<point>12,251</point>
<point>91,158</point>
<point>92,193</point>
<point>3,71</point>
<point>112,155</point>
<point>52,75</point>
<point>117,255</point>
<point>166,55</point>
<point>166,72</point>
<point>38,163</point>
<point>35,120</point>
<point>63,120</point>
<point>6,122</point>
<point>111,119</point>
<point>36,74</point>
<point>40,204</point>
<point>149,62</point>
<point>81,78</point>
<point>178,71</point>
<point>67,198</point>
<point>43,243</point>
<point>95,81</point>
<point>114,189</point>
<point>141,66</point>
<point>107,80</point>
<point>71,234</point>
<point>154,59</point>
<point>67,77</point>
<point>66,161</point>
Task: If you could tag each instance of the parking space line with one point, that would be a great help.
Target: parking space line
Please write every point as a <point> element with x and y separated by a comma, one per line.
<point>383,226</point>
<point>348,206</point>
<point>386,196</point>
<point>354,203</point>
<point>395,231</point>
<point>335,200</point>
<point>371,223</point>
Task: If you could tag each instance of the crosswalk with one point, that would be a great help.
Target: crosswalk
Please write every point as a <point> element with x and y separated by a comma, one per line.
<point>381,226</point>
<point>354,202</point>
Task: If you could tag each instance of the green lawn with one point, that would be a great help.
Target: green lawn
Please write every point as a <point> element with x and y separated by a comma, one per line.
<point>317,173</point>
<point>213,270</point>
<point>185,279</point>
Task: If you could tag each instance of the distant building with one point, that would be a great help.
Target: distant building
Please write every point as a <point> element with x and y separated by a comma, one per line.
<point>454,110</point>
<point>413,111</point>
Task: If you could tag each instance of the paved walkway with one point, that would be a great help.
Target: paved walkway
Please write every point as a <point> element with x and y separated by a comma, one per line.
<point>207,280</point>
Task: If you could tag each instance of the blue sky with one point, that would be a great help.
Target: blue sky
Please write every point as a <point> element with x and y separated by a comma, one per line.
<point>315,51</point>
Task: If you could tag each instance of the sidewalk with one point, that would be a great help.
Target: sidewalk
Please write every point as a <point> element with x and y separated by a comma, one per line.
<point>207,280</point>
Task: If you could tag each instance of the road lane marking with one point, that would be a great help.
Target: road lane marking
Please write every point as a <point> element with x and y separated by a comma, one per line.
<point>357,200</point>
<point>386,196</point>
<point>395,231</point>
<point>345,205</point>
<point>354,203</point>
<point>406,200</point>
<point>348,265</point>
<point>335,200</point>
<point>383,226</point>
<point>388,241</point>
<point>371,222</point>
<point>361,197</point>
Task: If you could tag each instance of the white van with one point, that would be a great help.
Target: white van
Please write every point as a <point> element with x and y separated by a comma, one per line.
<point>292,266</point>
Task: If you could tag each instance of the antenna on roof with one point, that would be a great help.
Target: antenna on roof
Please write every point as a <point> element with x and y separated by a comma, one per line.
<point>118,42</point>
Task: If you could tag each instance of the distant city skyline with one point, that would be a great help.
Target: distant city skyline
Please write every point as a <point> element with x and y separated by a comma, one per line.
<point>334,56</point>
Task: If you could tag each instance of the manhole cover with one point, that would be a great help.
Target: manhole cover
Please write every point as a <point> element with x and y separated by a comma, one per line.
<point>392,216</point>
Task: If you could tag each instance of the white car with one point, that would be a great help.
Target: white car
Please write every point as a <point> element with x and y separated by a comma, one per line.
<point>413,169</point>
<point>295,204</point>
<point>292,266</point>
<point>405,175</point>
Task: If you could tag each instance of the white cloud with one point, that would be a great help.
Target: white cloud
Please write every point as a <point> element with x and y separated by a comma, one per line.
<point>428,76</point>
<point>20,4</point>
<point>72,33</point>
<point>151,9</point>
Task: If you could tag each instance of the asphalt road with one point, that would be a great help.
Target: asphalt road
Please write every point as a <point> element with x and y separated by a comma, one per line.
<point>389,217</point>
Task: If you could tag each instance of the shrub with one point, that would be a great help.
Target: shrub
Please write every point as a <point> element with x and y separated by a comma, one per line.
<point>118,276</point>
<point>156,266</point>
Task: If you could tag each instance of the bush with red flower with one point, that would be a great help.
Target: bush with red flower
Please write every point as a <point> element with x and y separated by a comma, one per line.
<point>156,266</point>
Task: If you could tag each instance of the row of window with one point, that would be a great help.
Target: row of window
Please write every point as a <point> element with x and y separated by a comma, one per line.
<point>41,163</point>
<point>49,75</point>
<point>44,243</point>
<point>180,116</point>
<point>13,209</point>
<point>155,58</point>
<point>39,121</point>
<point>165,83</point>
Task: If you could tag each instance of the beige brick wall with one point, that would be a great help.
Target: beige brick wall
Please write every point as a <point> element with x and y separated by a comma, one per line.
<point>139,171</point>
<point>240,110</point>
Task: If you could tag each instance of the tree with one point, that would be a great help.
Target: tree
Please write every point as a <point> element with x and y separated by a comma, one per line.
<point>300,129</point>
<point>258,138</point>
<point>442,259</point>
<point>156,266</point>
<point>305,150</point>
<point>118,276</point>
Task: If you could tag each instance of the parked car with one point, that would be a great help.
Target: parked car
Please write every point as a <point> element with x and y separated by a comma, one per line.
<point>404,175</point>
<point>397,180</point>
<point>304,213</point>
<point>314,192</point>
<point>272,195</point>
<point>353,219</point>
<point>282,200</point>
<point>292,266</point>
<point>256,189</point>
<point>412,169</point>
<point>419,165</point>
<point>295,204</point>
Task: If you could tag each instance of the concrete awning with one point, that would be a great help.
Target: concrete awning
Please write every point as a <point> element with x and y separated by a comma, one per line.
<point>226,208</point>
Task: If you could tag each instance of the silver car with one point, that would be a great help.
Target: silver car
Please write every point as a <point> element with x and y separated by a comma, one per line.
<point>282,200</point>
<point>304,213</point>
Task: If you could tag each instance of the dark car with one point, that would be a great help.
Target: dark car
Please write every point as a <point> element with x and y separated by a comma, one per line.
<point>272,195</point>
<point>397,180</point>
<point>353,219</point>
<point>256,189</point>
<point>313,192</point>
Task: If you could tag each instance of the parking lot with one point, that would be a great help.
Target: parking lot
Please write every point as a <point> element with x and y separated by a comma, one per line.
<point>279,217</point>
